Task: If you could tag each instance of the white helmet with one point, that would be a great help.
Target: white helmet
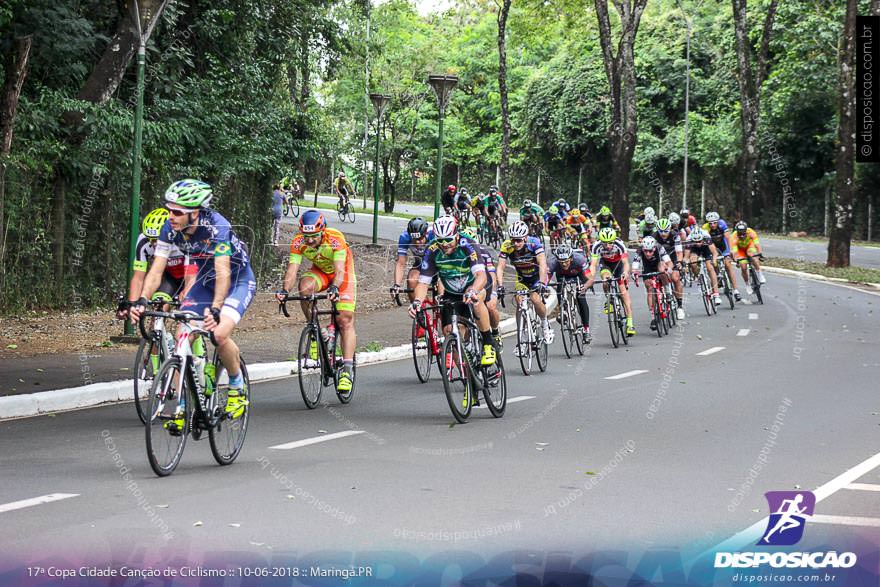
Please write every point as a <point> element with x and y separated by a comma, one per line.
<point>649,243</point>
<point>445,227</point>
<point>712,217</point>
<point>518,229</point>
<point>527,204</point>
<point>674,218</point>
<point>650,219</point>
<point>696,236</point>
<point>649,211</point>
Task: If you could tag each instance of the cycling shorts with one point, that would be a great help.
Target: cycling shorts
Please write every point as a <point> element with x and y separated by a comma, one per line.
<point>742,254</point>
<point>347,291</point>
<point>170,287</point>
<point>615,271</point>
<point>241,293</point>
<point>528,281</point>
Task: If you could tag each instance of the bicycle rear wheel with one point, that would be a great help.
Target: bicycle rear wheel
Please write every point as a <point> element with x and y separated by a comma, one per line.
<point>285,210</point>
<point>294,206</point>
<point>704,293</point>
<point>165,441</point>
<point>495,390</point>
<point>658,316</point>
<point>756,285</point>
<point>227,437</point>
<point>456,379</point>
<point>524,343</point>
<point>144,375</point>
<point>612,321</point>
<point>542,350</point>
<point>421,351</point>
<point>621,322</point>
<point>310,369</point>
<point>568,334</point>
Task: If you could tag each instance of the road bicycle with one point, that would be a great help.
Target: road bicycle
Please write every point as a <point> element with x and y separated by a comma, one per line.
<point>495,234</point>
<point>189,390</point>
<point>660,310</point>
<point>671,303</point>
<point>753,276</point>
<point>569,319</point>
<point>530,343</point>
<point>426,334</point>
<point>462,216</point>
<point>344,209</point>
<point>317,363</point>
<point>616,312</point>
<point>463,376</point>
<point>290,205</point>
<point>153,350</point>
<point>705,284</point>
<point>723,278</point>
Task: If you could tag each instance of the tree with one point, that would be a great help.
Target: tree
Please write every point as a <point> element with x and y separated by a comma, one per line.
<point>620,70</point>
<point>750,84</point>
<point>842,204</point>
<point>503,12</point>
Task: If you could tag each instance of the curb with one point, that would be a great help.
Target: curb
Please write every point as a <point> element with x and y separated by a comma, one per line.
<point>95,394</point>
<point>817,277</point>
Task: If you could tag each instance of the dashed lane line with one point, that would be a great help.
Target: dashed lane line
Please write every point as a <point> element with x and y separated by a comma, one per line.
<point>743,332</point>
<point>712,351</point>
<point>845,520</point>
<point>627,374</point>
<point>863,486</point>
<point>316,440</point>
<point>512,400</point>
<point>753,316</point>
<point>26,503</point>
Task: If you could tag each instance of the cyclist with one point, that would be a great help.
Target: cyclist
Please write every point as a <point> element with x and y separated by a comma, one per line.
<point>492,278</point>
<point>413,240</point>
<point>533,215</point>
<point>570,265</point>
<point>580,225</point>
<point>224,285</point>
<point>688,221</point>
<point>332,270</point>
<point>447,199</point>
<point>648,225</point>
<point>746,245</point>
<point>176,269</point>
<point>462,203</point>
<point>605,219</point>
<point>495,206</point>
<point>585,210</point>
<point>554,222</point>
<point>463,274</point>
<point>343,189</point>
<point>675,224</point>
<point>717,230</point>
<point>526,254</point>
<point>652,257</point>
<point>609,258</point>
<point>670,240</point>
<point>701,249</point>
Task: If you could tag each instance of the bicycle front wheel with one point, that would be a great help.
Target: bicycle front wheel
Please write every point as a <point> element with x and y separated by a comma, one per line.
<point>524,343</point>
<point>166,437</point>
<point>227,437</point>
<point>145,367</point>
<point>568,333</point>
<point>704,292</point>
<point>294,207</point>
<point>311,368</point>
<point>495,390</point>
<point>455,372</point>
<point>421,351</point>
<point>542,350</point>
<point>350,214</point>
<point>612,321</point>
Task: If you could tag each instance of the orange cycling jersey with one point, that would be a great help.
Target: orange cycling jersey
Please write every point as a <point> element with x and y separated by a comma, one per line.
<point>580,220</point>
<point>323,257</point>
<point>750,239</point>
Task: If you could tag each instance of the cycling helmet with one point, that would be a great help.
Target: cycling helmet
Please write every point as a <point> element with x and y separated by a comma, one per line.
<point>562,203</point>
<point>417,228</point>
<point>312,221</point>
<point>527,204</point>
<point>604,212</point>
<point>445,227</point>
<point>450,188</point>
<point>607,235</point>
<point>553,209</point>
<point>493,189</point>
<point>564,252</point>
<point>650,219</point>
<point>674,218</point>
<point>468,233</point>
<point>189,193</point>
<point>664,225</point>
<point>649,243</point>
<point>582,206</point>
<point>649,211</point>
<point>712,217</point>
<point>576,213</point>
<point>696,236</point>
<point>741,227</point>
<point>518,229</point>
<point>463,191</point>
<point>153,222</point>
<point>685,212</point>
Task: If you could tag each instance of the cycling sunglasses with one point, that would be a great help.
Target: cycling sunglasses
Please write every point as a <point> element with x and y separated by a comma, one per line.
<point>179,212</point>
<point>312,234</point>
<point>445,241</point>
<point>518,240</point>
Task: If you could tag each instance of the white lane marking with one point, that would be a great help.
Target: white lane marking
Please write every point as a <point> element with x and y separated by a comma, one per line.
<point>743,332</point>
<point>512,400</point>
<point>628,374</point>
<point>316,439</point>
<point>754,532</point>
<point>844,520</point>
<point>753,316</point>
<point>711,351</point>
<point>26,503</point>
<point>863,486</point>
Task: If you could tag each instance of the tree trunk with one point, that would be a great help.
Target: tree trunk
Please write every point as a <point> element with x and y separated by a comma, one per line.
<point>750,84</point>
<point>16,71</point>
<point>304,89</point>
<point>503,11</point>
<point>842,202</point>
<point>620,72</point>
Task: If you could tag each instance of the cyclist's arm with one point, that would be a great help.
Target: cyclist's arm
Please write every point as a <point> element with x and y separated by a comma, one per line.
<point>499,271</point>
<point>223,271</point>
<point>714,251</point>
<point>542,268</point>
<point>338,270</point>
<point>292,268</point>
<point>593,269</point>
<point>756,241</point>
<point>136,285</point>
<point>399,269</point>
<point>154,276</point>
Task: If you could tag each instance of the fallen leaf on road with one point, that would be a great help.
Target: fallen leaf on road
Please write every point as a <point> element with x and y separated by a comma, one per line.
<point>699,337</point>
<point>589,473</point>
<point>538,448</point>
<point>40,370</point>
<point>12,346</point>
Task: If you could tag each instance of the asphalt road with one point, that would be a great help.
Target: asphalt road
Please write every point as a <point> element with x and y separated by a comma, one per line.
<point>579,463</point>
<point>817,252</point>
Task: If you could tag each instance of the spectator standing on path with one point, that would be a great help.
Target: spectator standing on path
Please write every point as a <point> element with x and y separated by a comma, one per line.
<point>277,202</point>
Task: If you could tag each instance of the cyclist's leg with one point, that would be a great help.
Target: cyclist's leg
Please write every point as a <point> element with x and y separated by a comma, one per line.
<point>346,306</point>
<point>312,282</point>
<point>491,301</point>
<point>584,310</point>
<point>624,293</point>
<point>731,274</point>
<point>412,279</point>
<point>712,277</point>
<point>743,263</point>
<point>649,290</point>
<point>240,296</point>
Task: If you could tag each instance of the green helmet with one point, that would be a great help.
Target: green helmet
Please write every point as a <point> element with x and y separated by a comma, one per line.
<point>664,225</point>
<point>604,211</point>
<point>189,193</point>
<point>607,235</point>
<point>468,233</point>
<point>553,209</point>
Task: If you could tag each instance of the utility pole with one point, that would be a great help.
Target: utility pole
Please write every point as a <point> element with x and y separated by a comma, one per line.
<point>366,106</point>
<point>703,200</point>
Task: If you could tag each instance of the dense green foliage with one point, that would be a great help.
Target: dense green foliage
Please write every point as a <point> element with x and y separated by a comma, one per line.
<point>240,93</point>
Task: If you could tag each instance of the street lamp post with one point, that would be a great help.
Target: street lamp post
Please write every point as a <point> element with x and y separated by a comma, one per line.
<point>380,103</point>
<point>442,86</point>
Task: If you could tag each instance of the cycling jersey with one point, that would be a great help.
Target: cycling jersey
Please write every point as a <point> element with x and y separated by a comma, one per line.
<point>343,186</point>
<point>611,255</point>
<point>552,220</point>
<point>718,236</point>
<point>748,241</point>
<point>145,250</point>
<point>457,270</point>
<point>331,249</point>
<point>534,210</point>
<point>447,199</point>
<point>645,230</point>
<point>490,203</point>
<point>406,245</point>
<point>578,268</point>
<point>563,208</point>
<point>609,222</point>
<point>578,224</point>
<point>462,201</point>
<point>525,260</point>
<point>651,264</point>
<point>672,242</point>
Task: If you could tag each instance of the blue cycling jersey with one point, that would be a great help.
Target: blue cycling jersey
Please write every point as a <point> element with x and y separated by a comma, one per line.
<point>213,237</point>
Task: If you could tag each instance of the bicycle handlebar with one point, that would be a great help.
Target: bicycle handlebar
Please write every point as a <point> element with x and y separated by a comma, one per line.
<point>184,316</point>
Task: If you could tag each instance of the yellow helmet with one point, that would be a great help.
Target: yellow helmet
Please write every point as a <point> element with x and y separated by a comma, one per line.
<point>607,235</point>
<point>576,213</point>
<point>153,222</point>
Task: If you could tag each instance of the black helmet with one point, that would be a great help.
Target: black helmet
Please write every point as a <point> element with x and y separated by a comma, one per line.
<point>417,228</point>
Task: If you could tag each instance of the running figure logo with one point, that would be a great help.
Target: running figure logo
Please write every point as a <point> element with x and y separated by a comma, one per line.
<point>788,513</point>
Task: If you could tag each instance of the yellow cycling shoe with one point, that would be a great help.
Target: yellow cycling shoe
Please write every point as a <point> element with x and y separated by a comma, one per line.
<point>466,399</point>
<point>488,357</point>
<point>313,350</point>
<point>236,402</point>
<point>176,425</point>
<point>630,330</point>
<point>607,308</point>
<point>344,385</point>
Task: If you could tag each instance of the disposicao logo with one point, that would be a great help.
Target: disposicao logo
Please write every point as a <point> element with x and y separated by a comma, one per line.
<point>788,514</point>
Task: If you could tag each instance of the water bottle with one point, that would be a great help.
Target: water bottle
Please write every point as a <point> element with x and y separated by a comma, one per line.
<point>199,367</point>
<point>210,378</point>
